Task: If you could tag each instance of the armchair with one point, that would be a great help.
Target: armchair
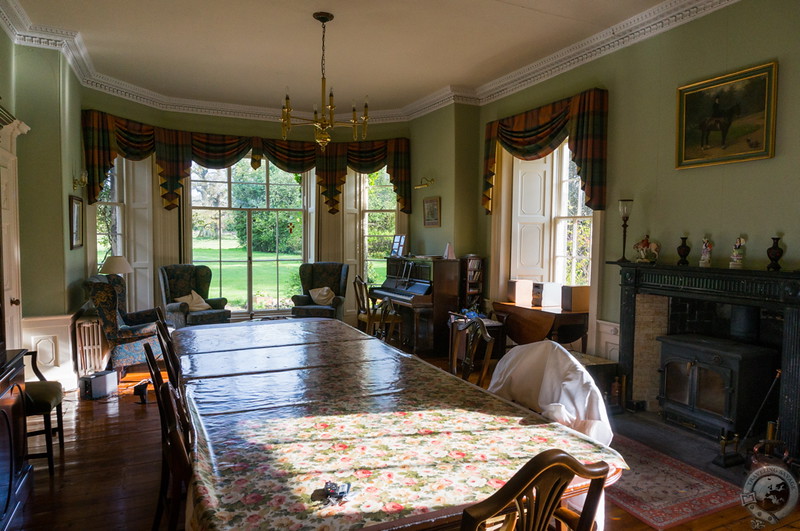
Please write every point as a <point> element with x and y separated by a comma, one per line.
<point>126,332</point>
<point>331,275</point>
<point>180,280</point>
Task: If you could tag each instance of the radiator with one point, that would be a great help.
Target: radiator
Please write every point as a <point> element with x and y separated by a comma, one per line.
<point>90,346</point>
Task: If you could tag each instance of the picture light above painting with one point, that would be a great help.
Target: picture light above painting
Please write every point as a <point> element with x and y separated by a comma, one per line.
<point>730,118</point>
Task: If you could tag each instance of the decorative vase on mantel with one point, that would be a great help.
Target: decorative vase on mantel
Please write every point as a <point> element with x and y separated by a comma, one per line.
<point>774,254</point>
<point>683,251</point>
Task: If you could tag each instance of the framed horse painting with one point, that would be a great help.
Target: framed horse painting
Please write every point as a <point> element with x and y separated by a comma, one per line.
<point>730,118</point>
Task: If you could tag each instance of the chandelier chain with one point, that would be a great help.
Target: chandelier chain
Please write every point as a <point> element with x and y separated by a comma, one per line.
<point>322,61</point>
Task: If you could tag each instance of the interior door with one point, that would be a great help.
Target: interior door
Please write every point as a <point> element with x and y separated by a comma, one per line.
<point>12,308</point>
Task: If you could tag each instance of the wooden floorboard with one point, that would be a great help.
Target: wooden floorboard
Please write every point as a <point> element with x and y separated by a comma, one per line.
<point>108,474</point>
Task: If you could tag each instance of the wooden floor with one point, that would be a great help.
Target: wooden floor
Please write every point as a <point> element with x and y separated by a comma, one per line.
<point>108,475</point>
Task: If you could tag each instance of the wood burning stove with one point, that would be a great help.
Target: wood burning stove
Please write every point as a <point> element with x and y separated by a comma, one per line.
<point>714,386</point>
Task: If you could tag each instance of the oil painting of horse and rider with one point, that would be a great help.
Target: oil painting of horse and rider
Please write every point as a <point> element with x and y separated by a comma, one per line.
<point>727,119</point>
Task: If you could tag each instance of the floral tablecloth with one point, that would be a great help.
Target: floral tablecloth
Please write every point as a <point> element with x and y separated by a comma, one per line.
<point>409,438</point>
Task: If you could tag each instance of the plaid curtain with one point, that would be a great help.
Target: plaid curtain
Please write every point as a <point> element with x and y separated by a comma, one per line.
<point>105,136</point>
<point>174,163</point>
<point>367,157</point>
<point>537,133</point>
<point>99,154</point>
<point>331,173</point>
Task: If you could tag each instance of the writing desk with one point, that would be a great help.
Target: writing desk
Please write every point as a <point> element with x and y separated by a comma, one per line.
<point>529,324</point>
<point>275,421</point>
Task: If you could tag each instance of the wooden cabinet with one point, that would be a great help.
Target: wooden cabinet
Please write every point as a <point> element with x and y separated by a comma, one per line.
<point>471,282</point>
<point>15,473</point>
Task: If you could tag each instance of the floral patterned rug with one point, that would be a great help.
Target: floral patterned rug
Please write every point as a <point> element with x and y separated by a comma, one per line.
<point>664,492</point>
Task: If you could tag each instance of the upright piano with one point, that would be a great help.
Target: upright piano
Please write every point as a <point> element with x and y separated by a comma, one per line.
<point>423,289</point>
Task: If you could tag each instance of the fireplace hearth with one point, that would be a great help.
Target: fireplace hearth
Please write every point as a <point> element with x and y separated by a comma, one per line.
<point>774,297</point>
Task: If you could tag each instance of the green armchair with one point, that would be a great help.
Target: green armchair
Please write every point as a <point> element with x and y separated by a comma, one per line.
<point>332,275</point>
<point>180,280</point>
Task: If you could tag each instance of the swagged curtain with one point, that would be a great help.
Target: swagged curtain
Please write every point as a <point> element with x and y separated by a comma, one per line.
<point>537,133</point>
<point>106,136</point>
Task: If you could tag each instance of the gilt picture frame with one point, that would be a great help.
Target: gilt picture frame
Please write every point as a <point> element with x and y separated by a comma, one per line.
<point>76,222</point>
<point>729,118</point>
<point>431,207</point>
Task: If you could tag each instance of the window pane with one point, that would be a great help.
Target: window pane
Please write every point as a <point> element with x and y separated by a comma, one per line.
<point>290,235</point>
<point>264,243</point>
<point>380,223</point>
<point>209,194</point>
<point>233,278</point>
<point>378,178</point>
<point>278,176</point>
<point>381,198</point>
<point>248,195</point>
<point>285,196</point>
<point>375,271</point>
<point>242,172</point>
<point>199,173</point>
<point>205,235</point>
<point>109,232</point>
<point>233,238</point>
<point>583,237</point>
<point>378,247</point>
<point>288,282</point>
<point>265,285</point>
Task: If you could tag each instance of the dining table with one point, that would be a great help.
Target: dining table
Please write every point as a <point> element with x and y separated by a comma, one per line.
<point>313,424</point>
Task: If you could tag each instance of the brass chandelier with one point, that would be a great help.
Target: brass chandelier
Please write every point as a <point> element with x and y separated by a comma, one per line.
<point>325,120</point>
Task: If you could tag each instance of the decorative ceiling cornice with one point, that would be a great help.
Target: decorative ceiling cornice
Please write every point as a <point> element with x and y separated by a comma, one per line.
<point>663,17</point>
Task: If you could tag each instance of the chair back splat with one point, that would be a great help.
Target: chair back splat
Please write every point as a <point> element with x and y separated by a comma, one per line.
<point>467,336</point>
<point>533,495</point>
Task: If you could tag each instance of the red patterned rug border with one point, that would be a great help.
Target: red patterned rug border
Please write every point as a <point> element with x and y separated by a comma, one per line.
<point>725,494</point>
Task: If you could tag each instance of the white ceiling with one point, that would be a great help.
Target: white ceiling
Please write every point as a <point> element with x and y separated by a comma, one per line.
<point>244,53</point>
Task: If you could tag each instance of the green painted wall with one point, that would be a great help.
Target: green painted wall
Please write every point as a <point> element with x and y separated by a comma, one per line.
<point>42,102</point>
<point>466,185</point>
<point>433,157</point>
<point>757,199</point>
<point>7,73</point>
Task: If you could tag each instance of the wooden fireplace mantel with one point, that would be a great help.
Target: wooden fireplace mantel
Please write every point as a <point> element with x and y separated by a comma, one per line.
<point>771,290</point>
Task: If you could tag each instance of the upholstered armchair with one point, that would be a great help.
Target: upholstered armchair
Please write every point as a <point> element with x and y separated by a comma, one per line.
<point>179,281</point>
<point>332,275</point>
<point>126,332</point>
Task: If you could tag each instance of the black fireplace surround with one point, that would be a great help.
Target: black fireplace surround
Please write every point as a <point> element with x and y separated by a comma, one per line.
<point>770,291</point>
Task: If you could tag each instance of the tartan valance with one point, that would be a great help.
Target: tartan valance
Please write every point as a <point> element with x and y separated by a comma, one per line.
<point>106,136</point>
<point>537,133</point>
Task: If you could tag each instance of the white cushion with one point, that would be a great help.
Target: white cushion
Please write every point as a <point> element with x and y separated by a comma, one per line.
<point>195,302</point>
<point>322,296</point>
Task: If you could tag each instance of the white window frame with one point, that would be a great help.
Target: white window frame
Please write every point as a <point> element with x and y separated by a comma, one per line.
<point>309,196</point>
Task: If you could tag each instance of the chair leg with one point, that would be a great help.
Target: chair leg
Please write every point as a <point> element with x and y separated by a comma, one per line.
<point>162,492</point>
<point>48,438</point>
<point>60,426</point>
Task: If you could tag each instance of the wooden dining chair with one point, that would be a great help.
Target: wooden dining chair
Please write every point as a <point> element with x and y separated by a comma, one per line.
<point>467,336</point>
<point>41,398</point>
<point>171,359</point>
<point>177,451</point>
<point>389,321</point>
<point>367,315</point>
<point>533,495</point>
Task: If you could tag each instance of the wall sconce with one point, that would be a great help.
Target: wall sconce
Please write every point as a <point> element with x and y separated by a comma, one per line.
<point>424,182</point>
<point>82,181</point>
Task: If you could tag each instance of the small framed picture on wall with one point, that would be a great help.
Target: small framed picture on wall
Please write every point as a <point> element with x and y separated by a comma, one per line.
<point>430,208</point>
